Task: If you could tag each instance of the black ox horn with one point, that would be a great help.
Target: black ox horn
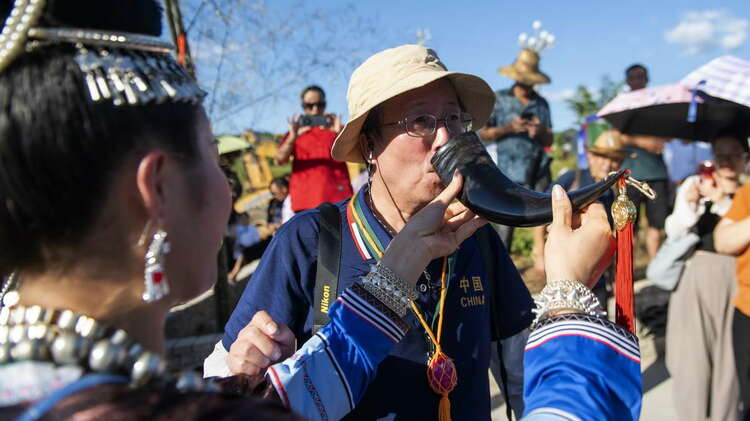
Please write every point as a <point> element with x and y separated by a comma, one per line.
<point>493,196</point>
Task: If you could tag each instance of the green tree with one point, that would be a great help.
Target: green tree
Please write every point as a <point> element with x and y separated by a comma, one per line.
<point>587,101</point>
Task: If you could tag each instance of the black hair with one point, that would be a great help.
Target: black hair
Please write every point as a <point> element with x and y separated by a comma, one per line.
<point>315,88</point>
<point>635,66</point>
<point>371,127</point>
<point>280,182</point>
<point>739,138</point>
<point>59,150</point>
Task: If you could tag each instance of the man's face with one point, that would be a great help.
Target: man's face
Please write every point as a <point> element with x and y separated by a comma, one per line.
<point>402,160</point>
<point>313,103</point>
<point>637,78</point>
<point>600,166</point>
<point>278,193</point>
<point>526,89</point>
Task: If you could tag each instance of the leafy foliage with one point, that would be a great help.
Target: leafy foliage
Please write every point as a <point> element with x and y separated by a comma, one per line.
<point>586,102</point>
<point>522,243</point>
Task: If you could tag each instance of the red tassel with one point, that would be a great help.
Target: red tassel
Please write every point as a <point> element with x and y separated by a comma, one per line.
<point>181,49</point>
<point>624,299</point>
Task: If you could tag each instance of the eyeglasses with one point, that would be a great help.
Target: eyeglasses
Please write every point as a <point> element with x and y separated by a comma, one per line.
<point>311,105</point>
<point>425,125</point>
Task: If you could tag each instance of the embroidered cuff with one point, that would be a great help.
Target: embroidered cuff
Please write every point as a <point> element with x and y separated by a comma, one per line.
<point>375,303</point>
<point>389,289</point>
<point>565,295</point>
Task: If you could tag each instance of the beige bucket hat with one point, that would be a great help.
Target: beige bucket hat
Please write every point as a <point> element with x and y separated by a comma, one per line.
<point>397,70</point>
<point>525,69</point>
<point>609,144</point>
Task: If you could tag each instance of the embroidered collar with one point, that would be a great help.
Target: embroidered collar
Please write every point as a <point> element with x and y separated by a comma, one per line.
<point>368,234</point>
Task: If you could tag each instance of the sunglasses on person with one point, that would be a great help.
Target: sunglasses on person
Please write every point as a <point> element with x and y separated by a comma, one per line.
<point>425,125</point>
<point>311,105</point>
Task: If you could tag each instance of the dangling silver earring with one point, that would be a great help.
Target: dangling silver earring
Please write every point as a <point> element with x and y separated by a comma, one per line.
<point>155,281</point>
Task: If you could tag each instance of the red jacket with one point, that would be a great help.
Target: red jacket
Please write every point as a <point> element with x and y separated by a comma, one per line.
<point>316,177</point>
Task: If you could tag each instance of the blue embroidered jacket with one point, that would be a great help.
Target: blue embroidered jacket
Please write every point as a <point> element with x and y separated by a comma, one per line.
<point>283,285</point>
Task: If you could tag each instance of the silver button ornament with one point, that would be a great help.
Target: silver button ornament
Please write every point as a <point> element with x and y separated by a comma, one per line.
<point>113,352</point>
<point>146,367</point>
<point>105,356</point>
<point>68,348</point>
<point>30,349</point>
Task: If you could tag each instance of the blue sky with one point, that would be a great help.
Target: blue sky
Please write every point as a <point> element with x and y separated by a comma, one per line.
<point>593,38</point>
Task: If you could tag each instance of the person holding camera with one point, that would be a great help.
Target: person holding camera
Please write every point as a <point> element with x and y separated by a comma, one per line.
<point>699,353</point>
<point>519,128</point>
<point>316,177</point>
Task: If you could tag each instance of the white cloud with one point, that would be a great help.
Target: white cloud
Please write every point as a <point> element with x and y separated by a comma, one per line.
<point>707,30</point>
<point>555,96</point>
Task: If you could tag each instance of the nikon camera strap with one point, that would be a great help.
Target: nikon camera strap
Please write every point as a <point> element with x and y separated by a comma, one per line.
<point>329,258</point>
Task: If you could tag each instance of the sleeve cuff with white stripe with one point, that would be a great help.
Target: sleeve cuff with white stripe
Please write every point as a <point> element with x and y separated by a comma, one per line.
<point>579,366</point>
<point>330,373</point>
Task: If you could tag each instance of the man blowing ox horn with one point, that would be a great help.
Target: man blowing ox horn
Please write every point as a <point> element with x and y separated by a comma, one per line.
<point>404,104</point>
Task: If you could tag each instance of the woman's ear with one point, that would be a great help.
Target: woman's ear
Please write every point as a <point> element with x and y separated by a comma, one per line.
<point>150,182</point>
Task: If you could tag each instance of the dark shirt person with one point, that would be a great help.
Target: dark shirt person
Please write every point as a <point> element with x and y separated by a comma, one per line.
<point>646,163</point>
<point>396,128</point>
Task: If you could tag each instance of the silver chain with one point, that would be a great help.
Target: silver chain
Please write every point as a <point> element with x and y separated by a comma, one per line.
<point>7,285</point>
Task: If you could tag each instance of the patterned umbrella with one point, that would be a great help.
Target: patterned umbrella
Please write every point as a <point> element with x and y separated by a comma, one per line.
<point>675,111</point>
<point>726,77</point>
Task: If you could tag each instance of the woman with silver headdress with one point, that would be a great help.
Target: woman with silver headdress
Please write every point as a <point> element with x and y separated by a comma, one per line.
<point>113,207</point>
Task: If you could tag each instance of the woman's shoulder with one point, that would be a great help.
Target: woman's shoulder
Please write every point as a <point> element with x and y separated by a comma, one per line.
<point>123,403</point>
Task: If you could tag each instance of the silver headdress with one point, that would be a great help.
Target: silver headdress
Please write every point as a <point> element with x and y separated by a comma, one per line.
<point>121,67</point>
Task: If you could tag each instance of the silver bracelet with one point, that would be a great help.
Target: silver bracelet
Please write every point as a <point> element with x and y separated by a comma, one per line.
<point>566,295</point>
<point>389,289</point>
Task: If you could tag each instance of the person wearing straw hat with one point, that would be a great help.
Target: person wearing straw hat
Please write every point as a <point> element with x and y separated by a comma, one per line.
<point>604,156</point>
<point>403,104</point>
<point>520,127</point>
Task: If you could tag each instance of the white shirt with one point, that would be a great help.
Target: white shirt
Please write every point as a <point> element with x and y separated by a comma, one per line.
<point>686,214</point>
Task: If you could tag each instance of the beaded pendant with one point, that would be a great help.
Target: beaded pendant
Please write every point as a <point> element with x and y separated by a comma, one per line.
<point>441,373</point>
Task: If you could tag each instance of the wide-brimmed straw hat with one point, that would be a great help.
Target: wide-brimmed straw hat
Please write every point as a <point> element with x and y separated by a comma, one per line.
<point>609,145</point>
<point>392,72</point>
<point>525,69</point>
